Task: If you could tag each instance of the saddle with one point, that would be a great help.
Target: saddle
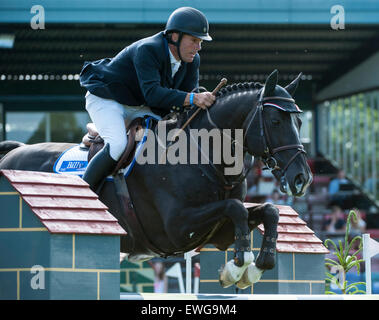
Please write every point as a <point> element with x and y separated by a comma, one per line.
<point>94,142</point>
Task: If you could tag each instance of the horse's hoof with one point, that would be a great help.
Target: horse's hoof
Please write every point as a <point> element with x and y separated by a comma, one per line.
<point>266,261</point>
<point>251,275</point>
<point>231,273</point>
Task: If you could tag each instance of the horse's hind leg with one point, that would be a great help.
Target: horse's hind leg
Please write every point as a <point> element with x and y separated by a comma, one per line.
<point>200,219</point>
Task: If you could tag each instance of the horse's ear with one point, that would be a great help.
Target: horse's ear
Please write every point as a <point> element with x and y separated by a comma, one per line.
<point>291,88</point>
<point>270,84</point>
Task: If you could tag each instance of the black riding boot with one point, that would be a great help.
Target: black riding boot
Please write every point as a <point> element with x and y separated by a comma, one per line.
<point>100,166</point>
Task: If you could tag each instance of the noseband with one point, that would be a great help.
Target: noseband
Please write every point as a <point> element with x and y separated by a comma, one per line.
<point>268,157</point>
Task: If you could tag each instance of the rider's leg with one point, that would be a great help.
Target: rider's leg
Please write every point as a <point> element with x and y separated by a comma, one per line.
<point>108,117</point>
<point>100,166</point>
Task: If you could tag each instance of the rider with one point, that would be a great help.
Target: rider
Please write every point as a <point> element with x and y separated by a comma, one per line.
<point>152,76</point>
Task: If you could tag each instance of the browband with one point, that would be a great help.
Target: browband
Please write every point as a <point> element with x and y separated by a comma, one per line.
<point>279,98</point>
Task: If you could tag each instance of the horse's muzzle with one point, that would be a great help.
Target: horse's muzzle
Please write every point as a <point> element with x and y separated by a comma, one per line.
<point>298,187</point>
<point>301,183</point>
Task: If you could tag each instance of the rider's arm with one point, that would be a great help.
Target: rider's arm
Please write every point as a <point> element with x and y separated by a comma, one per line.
<point>148,65</point>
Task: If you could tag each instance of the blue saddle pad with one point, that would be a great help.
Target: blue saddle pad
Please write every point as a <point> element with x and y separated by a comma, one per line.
<point>74,160</point>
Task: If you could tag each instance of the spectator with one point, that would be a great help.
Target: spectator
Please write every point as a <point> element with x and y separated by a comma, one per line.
<point>336,222</point>
<point>334,185</point>
<point>357,227</point>
<point>337,196</point>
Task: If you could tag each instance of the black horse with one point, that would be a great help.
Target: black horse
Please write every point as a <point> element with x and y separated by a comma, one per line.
<point>181,207</point>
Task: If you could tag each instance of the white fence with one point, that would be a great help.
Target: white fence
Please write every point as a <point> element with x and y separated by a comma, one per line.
<point>348,130</point>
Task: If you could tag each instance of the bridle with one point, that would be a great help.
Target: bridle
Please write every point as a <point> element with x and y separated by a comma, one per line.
<point>268,154</point>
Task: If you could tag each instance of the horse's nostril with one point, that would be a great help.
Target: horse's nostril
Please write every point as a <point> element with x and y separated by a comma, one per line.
<point>299,182</point>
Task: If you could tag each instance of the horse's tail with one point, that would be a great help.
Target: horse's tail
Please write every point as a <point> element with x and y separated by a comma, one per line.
<point>8,145</point>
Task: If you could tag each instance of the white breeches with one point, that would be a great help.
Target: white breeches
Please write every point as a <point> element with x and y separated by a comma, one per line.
<point>109,118</point>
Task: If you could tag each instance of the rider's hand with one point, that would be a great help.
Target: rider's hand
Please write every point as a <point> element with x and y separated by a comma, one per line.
<point>204,99</point>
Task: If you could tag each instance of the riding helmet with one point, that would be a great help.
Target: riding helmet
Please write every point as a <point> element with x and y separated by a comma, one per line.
<point>190,21</point>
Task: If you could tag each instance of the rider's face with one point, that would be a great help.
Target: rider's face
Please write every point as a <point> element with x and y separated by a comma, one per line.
<point>189,46</point>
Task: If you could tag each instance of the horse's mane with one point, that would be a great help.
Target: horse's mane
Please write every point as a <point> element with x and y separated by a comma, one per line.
<point>238,87</point>
<point>224,92</point>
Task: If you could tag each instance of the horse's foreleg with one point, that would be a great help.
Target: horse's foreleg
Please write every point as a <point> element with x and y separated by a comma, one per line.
<point>199,219</point>
<point>270,218</point>
<point>267,214</point>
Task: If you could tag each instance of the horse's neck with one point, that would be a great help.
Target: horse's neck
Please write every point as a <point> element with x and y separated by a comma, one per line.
<point>229,112</point>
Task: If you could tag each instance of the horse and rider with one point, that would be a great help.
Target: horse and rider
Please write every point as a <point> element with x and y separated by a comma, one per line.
<point>178,208</point>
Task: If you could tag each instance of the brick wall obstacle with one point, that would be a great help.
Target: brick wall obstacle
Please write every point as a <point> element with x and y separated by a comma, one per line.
<point>57,240</point>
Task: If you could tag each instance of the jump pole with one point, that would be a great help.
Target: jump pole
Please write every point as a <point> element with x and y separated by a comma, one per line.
<point>370,249</point>
<point>188,258</point>
<point>367,258</point>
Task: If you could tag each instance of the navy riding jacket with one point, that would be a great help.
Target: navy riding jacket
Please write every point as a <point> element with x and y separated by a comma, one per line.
<point>141,74</point>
